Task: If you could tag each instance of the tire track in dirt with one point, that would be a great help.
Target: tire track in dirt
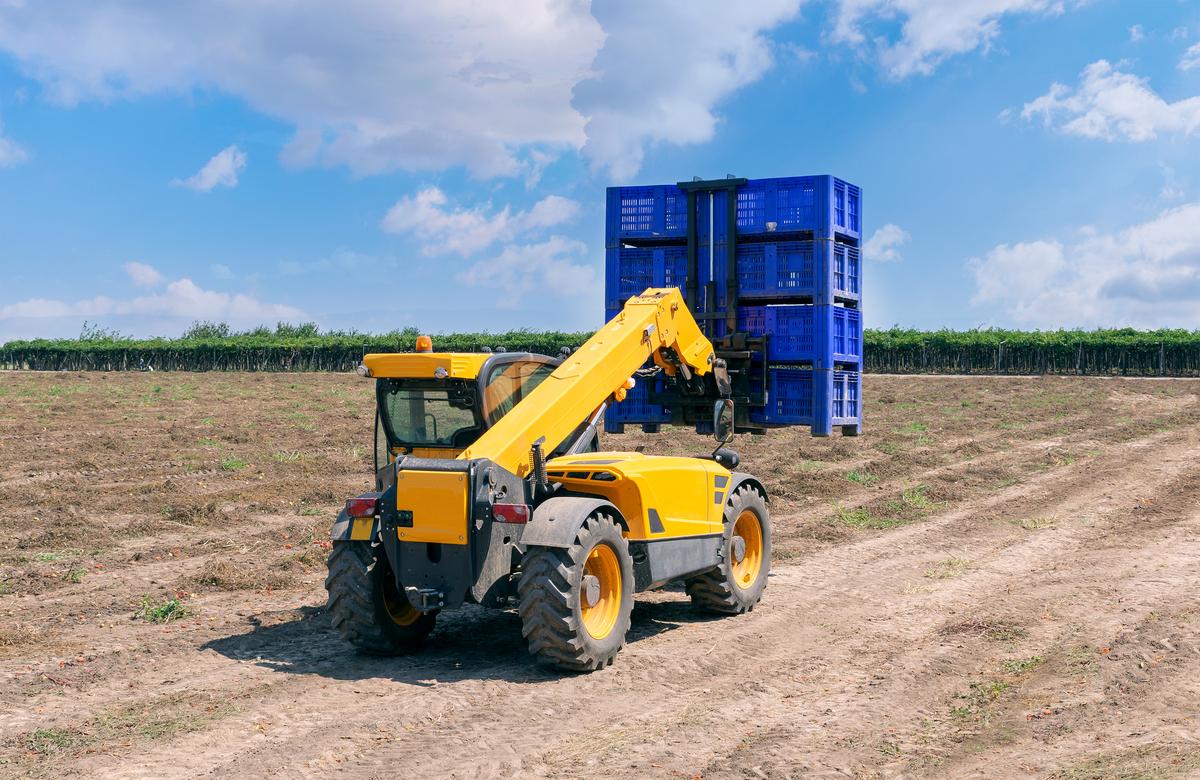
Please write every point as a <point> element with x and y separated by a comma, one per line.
<point>811,687</point>
<point>683,693</point>
<point>909,698</point>
<point>896,649</point>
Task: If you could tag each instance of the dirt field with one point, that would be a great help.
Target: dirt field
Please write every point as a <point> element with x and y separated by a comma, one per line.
<point>999,579</point>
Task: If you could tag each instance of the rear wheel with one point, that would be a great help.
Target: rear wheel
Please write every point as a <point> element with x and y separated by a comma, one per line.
<point>737,584</point>
<point>576,602</point>
<point>367,608</point>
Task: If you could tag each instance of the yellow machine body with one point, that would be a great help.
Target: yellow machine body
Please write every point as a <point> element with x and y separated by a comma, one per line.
<point>432,506</point>
<point>659,497</point>
<point>445,509</point>
<point>425,365</point>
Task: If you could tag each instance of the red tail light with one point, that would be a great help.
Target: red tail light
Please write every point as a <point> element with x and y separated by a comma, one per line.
<point>511,513</point>
<point>363,506</point>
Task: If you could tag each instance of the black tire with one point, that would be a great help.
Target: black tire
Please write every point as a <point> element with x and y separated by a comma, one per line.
<point>364,602</point>
<point>552,596</point>
<point>718,590</point>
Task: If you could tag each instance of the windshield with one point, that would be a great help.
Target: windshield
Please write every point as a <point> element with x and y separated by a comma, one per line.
<point>507,384</point>
<point>413,415</point>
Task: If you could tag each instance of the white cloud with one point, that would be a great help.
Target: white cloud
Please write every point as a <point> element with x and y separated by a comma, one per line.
<point>372,84</point>
<point>548,267</point>
<point>1112,105</point>
<point>1172,188</point>
<point>1147,275</point>
<point>443,230</point>
<point>1017,273</point>
<point>222,170</point>
<point>182,300</point>
<point>1136,33</point>
<point>143,275</point>
<point>11,153</point>
<point>520,266</point>
<point>884,244</point>
<point>1170,192</point>
<point>221,271</point>
<point>1190,58</point>
<point>502,89</point>
<point>535,166</point>
<point>664,67</point>
<point>1179,33</point>
<point>932,31</point>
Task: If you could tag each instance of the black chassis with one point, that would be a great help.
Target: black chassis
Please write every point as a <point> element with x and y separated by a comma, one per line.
<point>435,575</point>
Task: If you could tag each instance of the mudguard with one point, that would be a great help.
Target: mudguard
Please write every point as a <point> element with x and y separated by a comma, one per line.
<point>354,529</point>
<point>557,520</point>
<point>739,478</point>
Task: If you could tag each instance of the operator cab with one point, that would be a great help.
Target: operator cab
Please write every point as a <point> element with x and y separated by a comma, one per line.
<point>435,405</point>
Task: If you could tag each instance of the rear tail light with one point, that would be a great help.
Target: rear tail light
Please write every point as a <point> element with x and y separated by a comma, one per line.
<point>511,513</point>
<point>363,506</point>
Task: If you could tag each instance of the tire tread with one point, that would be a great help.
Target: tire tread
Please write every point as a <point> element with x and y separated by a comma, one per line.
<point>353,611</point>
<point>713,590</point>
<point>548,602</point>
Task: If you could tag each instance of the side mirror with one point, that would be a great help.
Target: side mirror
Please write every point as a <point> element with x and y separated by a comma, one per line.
<point>723,420</point>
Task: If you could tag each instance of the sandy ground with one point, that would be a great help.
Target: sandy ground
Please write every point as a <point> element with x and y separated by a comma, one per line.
<point>998,579</point>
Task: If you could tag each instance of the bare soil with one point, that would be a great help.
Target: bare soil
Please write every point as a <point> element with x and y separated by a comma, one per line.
<point>997,579</point>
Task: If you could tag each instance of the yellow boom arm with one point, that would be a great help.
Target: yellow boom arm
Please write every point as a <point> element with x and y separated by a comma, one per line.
<point>654,321</point>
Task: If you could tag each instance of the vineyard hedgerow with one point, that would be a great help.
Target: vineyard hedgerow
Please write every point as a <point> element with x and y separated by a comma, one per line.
<point>1122,351</point>
<point>215,347</point>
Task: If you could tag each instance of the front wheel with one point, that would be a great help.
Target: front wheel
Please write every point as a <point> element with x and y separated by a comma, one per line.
<point>737,584</point>
<point>367,608</point>
<point>576,602</point>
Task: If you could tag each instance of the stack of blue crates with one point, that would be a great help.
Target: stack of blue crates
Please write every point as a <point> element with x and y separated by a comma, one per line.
<point>799,280</point>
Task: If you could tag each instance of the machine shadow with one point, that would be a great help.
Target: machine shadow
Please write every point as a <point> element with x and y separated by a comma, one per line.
<point>468,643</point>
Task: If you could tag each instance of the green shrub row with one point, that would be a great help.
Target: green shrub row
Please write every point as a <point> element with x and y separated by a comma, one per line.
<point>215,347</point>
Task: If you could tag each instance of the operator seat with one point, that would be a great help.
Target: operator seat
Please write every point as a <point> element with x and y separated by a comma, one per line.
<point>465,438</point>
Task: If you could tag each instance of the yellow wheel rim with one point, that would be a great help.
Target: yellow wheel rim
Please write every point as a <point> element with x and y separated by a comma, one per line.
<point>600,591</point>
<point>398,608</point>
<point>746,568</point>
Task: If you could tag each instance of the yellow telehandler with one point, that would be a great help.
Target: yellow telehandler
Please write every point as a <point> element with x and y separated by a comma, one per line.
<point>489,489</point>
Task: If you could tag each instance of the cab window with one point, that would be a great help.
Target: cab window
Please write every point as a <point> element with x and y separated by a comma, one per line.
<point>506,384</point>
<point>417,415</point>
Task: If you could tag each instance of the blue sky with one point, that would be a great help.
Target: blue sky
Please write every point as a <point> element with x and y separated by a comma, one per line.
<point>1028,163</point>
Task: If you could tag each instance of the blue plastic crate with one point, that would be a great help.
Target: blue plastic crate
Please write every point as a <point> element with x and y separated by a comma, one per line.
<point>818,271</point>
<point>847,270</point>
<point>847,335</point>
<point>789,397</point>
<point>630,270</point>
<point>823,336</point>
<point>847,397</point>
<point>645,212</point>
<point>820,399</point>
<point>824,206</point>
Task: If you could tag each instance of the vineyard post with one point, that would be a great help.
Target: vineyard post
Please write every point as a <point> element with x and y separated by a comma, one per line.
<point>1161,358</point>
